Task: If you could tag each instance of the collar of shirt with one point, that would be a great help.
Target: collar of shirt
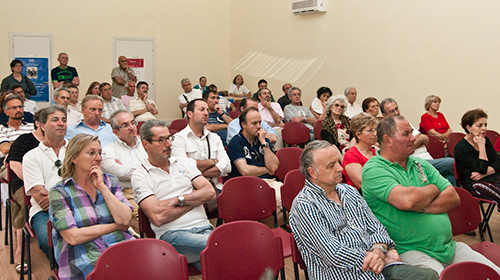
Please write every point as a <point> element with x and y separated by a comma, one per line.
<point>148,166</point>
<point>206,132</point>
<point>45,148</point>
<point>101,124</point>
<point>122,143</point>
<point>410,162</point>
<point>255,140</point>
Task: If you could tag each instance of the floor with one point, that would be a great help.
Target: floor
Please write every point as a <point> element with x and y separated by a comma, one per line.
<point>41,270</point>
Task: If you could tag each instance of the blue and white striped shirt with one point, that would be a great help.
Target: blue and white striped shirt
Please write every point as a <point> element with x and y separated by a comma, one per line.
<point>333,239</point>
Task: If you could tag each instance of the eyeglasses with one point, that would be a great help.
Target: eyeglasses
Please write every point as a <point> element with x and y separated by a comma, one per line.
<point>58,165</point>
<point>338,105</point>
<point>163,140</point>
<point>127,125</point>
<point>93,153</point>
<point>15,107</point>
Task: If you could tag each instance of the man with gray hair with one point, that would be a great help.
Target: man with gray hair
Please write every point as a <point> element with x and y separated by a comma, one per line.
<point>61,97</point>
<point>188,94</point>
<point>42,169</point>
<point>337,234</point>
<point>172,191</point>
<point>121,75</point>
<point>411,199</point>
<point>294,112</point>
<point>122,157</point>
<point>92,124</point>
<point>389,107</point>
<point>352,109</point>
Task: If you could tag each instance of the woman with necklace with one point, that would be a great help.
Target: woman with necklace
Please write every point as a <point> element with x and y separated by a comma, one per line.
<point>476,160</point>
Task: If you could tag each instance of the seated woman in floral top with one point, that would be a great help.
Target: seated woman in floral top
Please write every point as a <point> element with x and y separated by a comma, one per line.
<point>335,126</point>
<point>87,208</point>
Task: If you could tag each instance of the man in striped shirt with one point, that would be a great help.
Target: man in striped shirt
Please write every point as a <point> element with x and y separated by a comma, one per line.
<point>14,108</point>
<point>337,234</point>
<point>111,103</point>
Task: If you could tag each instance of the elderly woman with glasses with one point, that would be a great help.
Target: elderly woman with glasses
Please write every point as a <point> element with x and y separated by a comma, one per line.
<point>364,129</point>
<point>335,127</point>
<point>87,208</point>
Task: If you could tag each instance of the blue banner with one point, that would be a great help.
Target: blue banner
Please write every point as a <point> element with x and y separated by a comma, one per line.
<point>37,70</point>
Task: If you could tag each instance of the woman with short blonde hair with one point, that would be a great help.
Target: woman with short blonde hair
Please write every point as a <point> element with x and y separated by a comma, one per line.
<point>433,122</point>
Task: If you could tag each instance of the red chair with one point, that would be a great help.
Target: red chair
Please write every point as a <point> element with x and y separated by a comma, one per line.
<point>467,271</point>
<point>8,216</point>
<point>453,139</point>
<point>484,225</point>
<point>466,217</point>
<point>178,124</point>
<point>145,231</point>
<point>147,259</point>
<point>251,198</point>
<point>493,136</point>
<point>292,185</point>
<point>139,125</point>
<point>295,133</point>
<point>242,250</point>
<point>289,158</point>
<point>317,130</point>
<point>234,114</point>
<point>27,234</point>
<point>297,260</point>
<point>435,147</point>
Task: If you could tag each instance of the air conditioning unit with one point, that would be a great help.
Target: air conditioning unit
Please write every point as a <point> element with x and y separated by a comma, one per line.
<point>308,6</point>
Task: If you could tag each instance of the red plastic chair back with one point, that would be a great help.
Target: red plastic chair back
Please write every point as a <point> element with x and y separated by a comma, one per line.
<point>467,216</point>
<point>295,133</point>
<point>458,180</point>
<point>492,135</point>
<point>453,139</point>
<point>241,250</point>
<point>317,130</point>
<point>145,225</point>
<point>435,147</point>
<point>467,271</point>
<point>296,256</point>
<point>293,184</point>
<point>234,114</point>
<point>289,158</point>
<point>140,259</point>
<point>178,124</point>
<point>139,124</point>
<point>246,198</point>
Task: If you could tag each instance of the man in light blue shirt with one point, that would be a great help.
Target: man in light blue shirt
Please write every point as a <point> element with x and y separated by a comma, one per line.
<point>91,123</point>
<point>234,126</point>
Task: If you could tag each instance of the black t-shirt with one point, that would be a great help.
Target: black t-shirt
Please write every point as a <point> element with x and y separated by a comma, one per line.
<point>62,75</point>
<point>23,144</point>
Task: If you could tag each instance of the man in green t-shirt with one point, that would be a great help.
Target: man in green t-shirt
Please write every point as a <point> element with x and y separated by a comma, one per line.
<point>411,199</point>
<point>64,73</point>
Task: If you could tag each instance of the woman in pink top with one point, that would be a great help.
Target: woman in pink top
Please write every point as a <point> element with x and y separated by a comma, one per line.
<point>433,122</point>
<point>364,129</point>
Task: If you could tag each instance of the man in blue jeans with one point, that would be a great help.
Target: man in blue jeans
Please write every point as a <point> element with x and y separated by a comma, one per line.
<point>41,170</point>
<point>171,191</point>
<point>389,107</point>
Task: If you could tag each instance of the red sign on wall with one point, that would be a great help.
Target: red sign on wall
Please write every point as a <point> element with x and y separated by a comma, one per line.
<point>135,62</point>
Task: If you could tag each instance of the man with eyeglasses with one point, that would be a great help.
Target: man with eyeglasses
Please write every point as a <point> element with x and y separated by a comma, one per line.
<point>352,109</point>
<point>29,105</point>
<point>251,153</point>
<point>122,157</point>
<point>142,108</point>
<point>171,191</point>
<point>389,107</point>
<point>121,75</point>
<point>92,124</point>
<point>42,169</point>
<point>14,108</point>
<point>61,97</point>
<point>294,112</point>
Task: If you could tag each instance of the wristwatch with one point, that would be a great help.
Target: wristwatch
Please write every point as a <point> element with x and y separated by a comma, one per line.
<point>181,200</point>
<point>264,145</point>
<point>382,248</point>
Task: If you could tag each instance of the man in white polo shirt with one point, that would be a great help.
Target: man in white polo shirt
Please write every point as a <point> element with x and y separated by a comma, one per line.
<point>42,169</point>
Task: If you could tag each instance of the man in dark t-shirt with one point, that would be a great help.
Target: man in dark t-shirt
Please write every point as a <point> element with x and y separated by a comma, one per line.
<point>64,73</point>
<point>23,144</point>
<point>218,119</point>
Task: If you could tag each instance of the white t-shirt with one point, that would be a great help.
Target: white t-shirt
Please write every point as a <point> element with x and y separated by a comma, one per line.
<point>420,152</point>
<point>352,110</point>
<point>149,180</point>
<point>138,104</point>
<point>30,106</point>
<point>194,94</point>
<point>39,169</point>
<point>243,90</point>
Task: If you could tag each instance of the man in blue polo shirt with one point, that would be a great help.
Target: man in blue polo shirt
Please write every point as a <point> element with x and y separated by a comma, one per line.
<point>91,123</point>
<point>251,153</point>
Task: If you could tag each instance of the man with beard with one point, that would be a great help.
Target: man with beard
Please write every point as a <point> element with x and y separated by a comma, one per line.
<point>171,191</point>
<point>122,157</point>
<point>15,126</point>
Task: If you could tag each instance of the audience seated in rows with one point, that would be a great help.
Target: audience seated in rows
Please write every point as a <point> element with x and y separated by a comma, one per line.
<point>411,199</point>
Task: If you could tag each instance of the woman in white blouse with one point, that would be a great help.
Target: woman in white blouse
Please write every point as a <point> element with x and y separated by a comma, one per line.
<point>318,104</point>
<point>237,88</point>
